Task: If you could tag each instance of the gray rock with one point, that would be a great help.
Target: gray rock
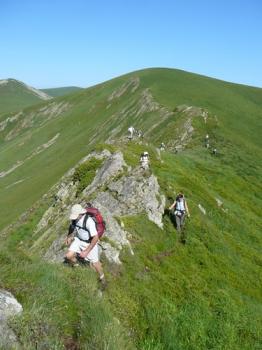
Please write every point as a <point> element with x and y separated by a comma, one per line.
<point>129,194</point>
<point>56,251</point>
<point>45,219</point>
<point>202,209</point>
<point>135,194</point>
<point>112,166</point>
<point>113,230</point>
<point>9,307</point>
<point>65,191</point>
<point>111,253</point>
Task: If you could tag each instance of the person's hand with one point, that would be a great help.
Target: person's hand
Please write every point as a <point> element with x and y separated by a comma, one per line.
<point>83,254</point>
<point>68,240</point>
<point>188,215</point>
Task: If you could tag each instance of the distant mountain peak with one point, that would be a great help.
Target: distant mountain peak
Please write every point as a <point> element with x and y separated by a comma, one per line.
<point>36,92</point>
<point>16,95</point>
<point>4,81</point>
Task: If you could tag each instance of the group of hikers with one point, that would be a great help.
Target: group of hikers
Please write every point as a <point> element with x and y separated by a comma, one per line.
<point>87,225</point>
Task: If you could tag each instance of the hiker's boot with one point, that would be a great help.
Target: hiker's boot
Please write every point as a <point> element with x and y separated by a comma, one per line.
<point>102,282</point>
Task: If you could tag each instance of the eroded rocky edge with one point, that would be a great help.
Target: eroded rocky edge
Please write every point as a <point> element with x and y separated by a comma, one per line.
<point>117,190</point>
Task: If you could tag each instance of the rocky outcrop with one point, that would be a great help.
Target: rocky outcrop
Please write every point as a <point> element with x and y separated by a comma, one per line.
<point>41,116</point>
<point>113,166</point>
<point>116,191</point>
<point>133,194</point>
<point>9,307</point>
<point>64,192</point>
<point>185,130</point>
<point>137,106</point>
<point>132,84</point>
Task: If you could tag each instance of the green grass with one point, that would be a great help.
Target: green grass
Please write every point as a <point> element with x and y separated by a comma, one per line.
<point>85,173</point>
<point>56,92</point>
<point>14,96</point>
<point>61,307</point>
<point>89,121</point>
<point>193,296</point>
<point>202,295</point>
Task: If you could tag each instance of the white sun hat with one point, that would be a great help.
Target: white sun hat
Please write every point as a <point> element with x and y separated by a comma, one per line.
<point>76,210</point>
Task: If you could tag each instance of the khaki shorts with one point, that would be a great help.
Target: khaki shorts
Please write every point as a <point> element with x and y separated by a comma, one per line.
<point>77,246</point>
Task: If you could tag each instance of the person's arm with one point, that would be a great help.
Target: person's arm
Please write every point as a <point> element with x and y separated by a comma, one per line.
<point>172,206</point>
<point>69,236</point>
<point>88,249</point>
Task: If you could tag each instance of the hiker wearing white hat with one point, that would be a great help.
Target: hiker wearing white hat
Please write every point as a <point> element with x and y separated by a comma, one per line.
<point>85,241</point>
<point>144,160</point>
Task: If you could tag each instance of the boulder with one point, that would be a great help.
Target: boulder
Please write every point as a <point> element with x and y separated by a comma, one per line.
<point>9,307</point>
<point>135,194</point>
<point>113,166</point>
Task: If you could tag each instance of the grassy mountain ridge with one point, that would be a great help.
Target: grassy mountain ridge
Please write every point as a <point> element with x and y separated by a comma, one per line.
<point>204,295</point>
<point>15,95</point>
<point>87,117</point>
<point>56,92</point>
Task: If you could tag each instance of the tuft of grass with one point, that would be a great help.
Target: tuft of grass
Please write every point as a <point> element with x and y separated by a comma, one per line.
<point>85,173</point>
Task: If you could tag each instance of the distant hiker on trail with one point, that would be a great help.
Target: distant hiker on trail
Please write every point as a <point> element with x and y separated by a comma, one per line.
<point>144,160</point>
<point>140,134</point>
<point>162,146</point>
<point>131,131</point>
<point>84,243</point>
<point>207,141</point>
<point>181,210</point>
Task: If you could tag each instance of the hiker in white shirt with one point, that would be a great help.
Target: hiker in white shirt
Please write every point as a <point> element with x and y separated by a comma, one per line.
<point>181,210</point>
<point>131,131</point>
<point>85,241</point>
<point>144,160</point>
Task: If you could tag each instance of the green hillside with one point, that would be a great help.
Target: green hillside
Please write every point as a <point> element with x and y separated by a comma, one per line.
<point>15,95</point>
<point>55,92</point>
<point>202,295</point>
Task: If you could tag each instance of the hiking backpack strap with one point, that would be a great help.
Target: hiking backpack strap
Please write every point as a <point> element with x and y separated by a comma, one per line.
<point>84,225</point>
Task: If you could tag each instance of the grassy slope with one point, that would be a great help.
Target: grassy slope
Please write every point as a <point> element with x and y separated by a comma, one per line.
<point>205,295</point>
<point>56,92</point>
<point>14,97</point>
<point>90,118</point>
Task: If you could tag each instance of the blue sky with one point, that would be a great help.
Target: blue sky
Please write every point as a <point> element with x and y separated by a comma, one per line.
<point>83,42</point>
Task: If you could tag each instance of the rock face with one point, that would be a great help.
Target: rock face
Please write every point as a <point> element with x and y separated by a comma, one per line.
<point>111,168</point>
<point>186,130</point>
<point>116,191</point>
<point>133,194</point>
<point>9,307</point>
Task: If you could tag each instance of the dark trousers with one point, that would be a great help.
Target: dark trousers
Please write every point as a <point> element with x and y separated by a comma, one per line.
<point>180,220</point>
